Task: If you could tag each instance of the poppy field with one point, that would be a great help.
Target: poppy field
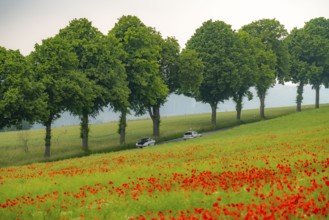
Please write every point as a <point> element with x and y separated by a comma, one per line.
<point>276,169</point>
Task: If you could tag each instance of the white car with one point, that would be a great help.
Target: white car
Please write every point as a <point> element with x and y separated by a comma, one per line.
<point>191,134</point>
<point>145,142</point>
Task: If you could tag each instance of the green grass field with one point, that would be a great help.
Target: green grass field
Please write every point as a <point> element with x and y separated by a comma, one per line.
<point>66,142</point>
<point>268,170</point>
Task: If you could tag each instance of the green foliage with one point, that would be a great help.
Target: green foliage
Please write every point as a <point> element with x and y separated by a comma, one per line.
<point>214,42</point>
<point>247,72</point>
<point>20,95</point>
<point>82,71</point>
<point>308,47</point>
<point>54,63</point>
<point>271,56</point>
<point>99,61</point>
<point>304,68</point>
<point>169,63</point>
<point>142,47</point>
<point>315,49</point>
<point>272,33</point>
<point>265,70</point>
<point>299,72</point>
<point>190,75</point>
<point>24,125</point>
<point>143,59</point>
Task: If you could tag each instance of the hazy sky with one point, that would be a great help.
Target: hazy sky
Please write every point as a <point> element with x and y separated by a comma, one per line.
<point>26,22</point>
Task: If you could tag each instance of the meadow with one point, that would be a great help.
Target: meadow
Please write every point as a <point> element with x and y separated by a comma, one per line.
<point>273,169</point>
<point>66,142</point>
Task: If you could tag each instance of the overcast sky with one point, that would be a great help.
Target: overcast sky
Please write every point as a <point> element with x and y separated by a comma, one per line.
<point>26,22</point>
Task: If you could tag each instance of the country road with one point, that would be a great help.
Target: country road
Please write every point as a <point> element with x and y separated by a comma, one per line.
<point>203,134</point>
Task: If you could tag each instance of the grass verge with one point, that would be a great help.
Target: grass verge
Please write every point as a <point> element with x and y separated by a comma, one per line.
<point>66,142</point>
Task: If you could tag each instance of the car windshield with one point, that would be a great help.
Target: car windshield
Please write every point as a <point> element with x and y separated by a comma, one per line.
<point>188,133</point>
<point>143,140</point>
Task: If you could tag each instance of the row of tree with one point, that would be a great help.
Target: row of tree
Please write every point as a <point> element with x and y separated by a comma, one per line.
<point>82,71</point>
<point>260,54</point>
<point>134,69</point>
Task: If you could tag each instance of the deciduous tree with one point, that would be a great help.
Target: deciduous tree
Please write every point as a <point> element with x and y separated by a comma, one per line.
<point>300,70</point>
<point>181,72</point>
<point>98,59</point>
<point>245,62</point>
<point>214,41</point>
<point>54,64</point>
<point>271,33</point>
<point>20,96</point>
<point>142,46</point>
<point>315,53</point>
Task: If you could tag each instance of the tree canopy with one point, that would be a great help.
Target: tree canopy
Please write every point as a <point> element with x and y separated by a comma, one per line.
<point>315,53</point>
<point>54,64</point>
<point>190,76</point>
<point>214,41</point>
<point>98,59</point>
<point>247,74</point>
<point>272,34</point>
<point>300,71</point>
<point>20,95</point>
<point>142,46</point>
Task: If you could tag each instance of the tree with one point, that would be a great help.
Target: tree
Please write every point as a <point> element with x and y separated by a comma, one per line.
<point>266,61</point>
<point>20,98</point>
<point>315,52</point>
<point>181,73</point>
<point>190,73</point>
<point>214,41</point>
<point>271,33</point>
<point>99,61</point>
<point>300,70</point>
<point>142,46</point>
<point>167,59</point>
<point>54,64</point>
<point>169,63</point>
<point>245,62</point>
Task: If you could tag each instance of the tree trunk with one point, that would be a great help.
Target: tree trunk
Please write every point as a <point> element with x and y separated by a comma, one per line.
<point>299,98</point>
<point>48,139</point>
<point>154,112</point>
<point>122,126</point>
<point>317,96</point>
<point>238,106</point>
<point>84,131</point>
<point>262,104</point>
<point>213,114</point>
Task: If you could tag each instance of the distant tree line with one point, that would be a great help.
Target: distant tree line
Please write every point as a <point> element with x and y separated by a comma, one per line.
<point>134,69</point>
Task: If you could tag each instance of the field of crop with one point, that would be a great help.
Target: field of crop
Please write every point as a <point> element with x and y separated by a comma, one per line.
<point>66,142</point>
<point>272,169</point>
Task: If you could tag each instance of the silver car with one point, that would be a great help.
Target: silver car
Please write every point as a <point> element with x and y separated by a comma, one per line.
<point>145,142</point>
<point>191,134</point>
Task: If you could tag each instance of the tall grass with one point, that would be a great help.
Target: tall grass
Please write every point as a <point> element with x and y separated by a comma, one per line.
<point>66,142</point>
<point>273,169</point>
